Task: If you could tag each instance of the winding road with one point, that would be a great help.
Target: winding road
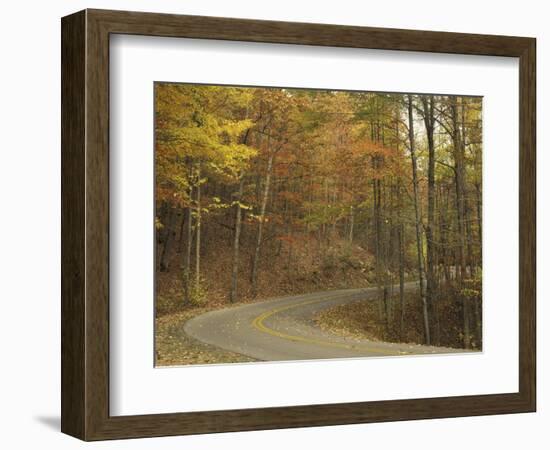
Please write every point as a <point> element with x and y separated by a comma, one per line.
<point>284,329</point>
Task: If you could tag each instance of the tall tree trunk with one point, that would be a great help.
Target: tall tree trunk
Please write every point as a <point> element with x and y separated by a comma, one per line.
<point>443,233</point>
<point>198,231</point>
<point>467,224</point>
<point>459,186</point>
<point>469,239</point>
<point>401,235</point>
<point>386,267</point>
<point>182,228</point>
<point>188,247</point>
<point>255,261</point>
<point>161,233</point>
<point>391,250</point>
<point>378,241</point>
<point>479,222</point>
<point>428,113</point>
<point>418,224</point>
<point>351,220</point>
<point>168,239</point>
<point>235,269</point>
<point>438,257</point>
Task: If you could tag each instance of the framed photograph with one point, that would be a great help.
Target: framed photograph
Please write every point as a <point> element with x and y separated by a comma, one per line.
<point>273,225</point>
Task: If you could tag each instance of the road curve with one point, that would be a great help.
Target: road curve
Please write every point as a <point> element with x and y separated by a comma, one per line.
<point>283,329</point>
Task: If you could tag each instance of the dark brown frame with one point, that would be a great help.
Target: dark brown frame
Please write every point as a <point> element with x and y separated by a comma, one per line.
<point>85,224</point>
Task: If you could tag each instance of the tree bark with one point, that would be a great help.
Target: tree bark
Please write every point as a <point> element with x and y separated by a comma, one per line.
<point>479,221</point>
<point>401,233</point>
<point>418,223</point>
<point>459,187</point>
<point>198,231</point>
<point>378,241</point>
<point>428,113</point>
<point>181,230</point>
<point>351,220</point>
<point>467,224</point>
<point>188,247</point>
<point>168,239</point>
<point>255,261</point>
<point>236,238</point>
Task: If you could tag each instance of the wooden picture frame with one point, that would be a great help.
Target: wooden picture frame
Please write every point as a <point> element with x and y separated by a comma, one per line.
<point>85,224</point>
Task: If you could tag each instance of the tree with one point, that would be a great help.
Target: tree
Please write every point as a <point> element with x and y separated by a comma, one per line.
<point>197,140</point>
<point>429,122</point>
<point>418,220</point>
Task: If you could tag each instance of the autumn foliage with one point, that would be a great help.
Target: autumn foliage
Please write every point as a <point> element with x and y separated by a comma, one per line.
<point>269,191</point>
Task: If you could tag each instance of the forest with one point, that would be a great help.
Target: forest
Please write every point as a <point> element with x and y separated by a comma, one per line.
<point>265,192</point>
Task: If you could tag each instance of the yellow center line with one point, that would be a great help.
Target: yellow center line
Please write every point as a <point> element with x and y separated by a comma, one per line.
<point>259,324</point>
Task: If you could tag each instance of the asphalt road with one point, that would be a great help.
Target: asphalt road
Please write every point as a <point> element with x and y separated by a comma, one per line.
<point>283,329</point>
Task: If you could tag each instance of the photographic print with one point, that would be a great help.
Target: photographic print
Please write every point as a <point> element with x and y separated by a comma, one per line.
<point>299,224</point>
